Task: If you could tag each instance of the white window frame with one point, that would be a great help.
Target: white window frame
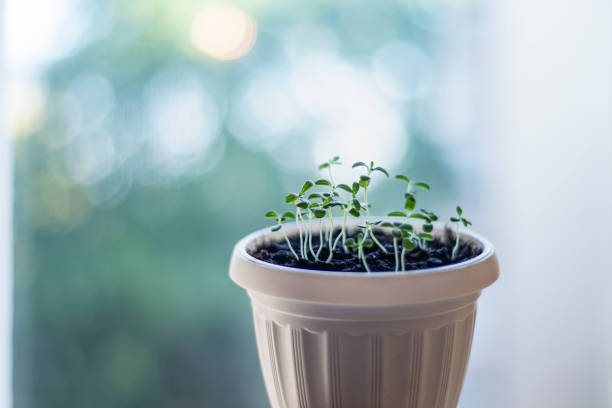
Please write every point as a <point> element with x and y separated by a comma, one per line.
<point>6,229</point>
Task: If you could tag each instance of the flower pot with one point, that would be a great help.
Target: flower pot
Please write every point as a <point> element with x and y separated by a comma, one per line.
<point>357,340</point>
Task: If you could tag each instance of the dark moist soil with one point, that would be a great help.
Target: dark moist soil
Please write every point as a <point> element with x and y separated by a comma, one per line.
<point>437,253</point>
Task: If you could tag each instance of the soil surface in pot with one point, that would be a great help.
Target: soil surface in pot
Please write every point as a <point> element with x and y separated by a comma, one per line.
<point>436,253</point>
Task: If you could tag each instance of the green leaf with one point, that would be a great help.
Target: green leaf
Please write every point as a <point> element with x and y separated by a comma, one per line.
<point>345,188</point>
<point>323,182</point>
<point>355,188</point>
<point>396,233</point>
<point>302,204</point>
<point>354,212</point>
<point>459,211</point>
<point>427,227</point>
<point>359,239</point>
<point>422,185</point>
<point>402,177</point>
<point>357,164</point>
<point>386,225</point>
<point>424,236</point>
<point>289,215</point>
<point>410,202</point>
<point>376,222</point>
<point>382,170</point>
<point>307,185</point>
<point>271,214</point>
<point>465,222</point>
<point>275,228</point>
<point>350,242</point>
<point>454,219</point>
<point>407,244</point>
<point>335,159</point>
<point>290,198</point>
<point>314,195</point>
<point>396,214</point>
<point>368,243</point>
<point>319,213</point>
<point>313,205</point>
<point>406,227</point>
<point>419,216</point>
<point>326,201</point>
<point>323,166</point>
<point>356,204</point>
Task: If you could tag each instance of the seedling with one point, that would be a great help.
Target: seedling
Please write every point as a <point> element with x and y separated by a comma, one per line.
<point>458,220</point>
<point>364,182</point>
<point>301,203</point>
<point>352,206</point>
<point>397,234</point>
<point>330,201</point>
<point>357,246</point>
<point>279,225</point>
<point>319,205</point>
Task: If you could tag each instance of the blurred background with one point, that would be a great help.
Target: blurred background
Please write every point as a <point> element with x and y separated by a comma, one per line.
<point>149,136</point>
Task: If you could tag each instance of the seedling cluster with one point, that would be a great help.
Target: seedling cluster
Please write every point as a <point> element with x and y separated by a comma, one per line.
<point>411,232</point>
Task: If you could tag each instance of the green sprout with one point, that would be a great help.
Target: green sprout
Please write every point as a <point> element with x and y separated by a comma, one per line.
<point>279,225</point>
<point>397,233</point>
<point>357,246</point>
<point>458,220</point>
<point>411,239</point>
<point>301,203</point>
<point>352,206</point>
<point>315,211</point>
<point>330,201</point>
<point>311,206</point>
<point>364,182</point>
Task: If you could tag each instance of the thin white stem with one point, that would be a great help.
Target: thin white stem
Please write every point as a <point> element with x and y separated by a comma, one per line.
<point>310,235</point>
<point>320,239</point>
<point>340,235</point>
<point>297,223</point>
<point>344,232</point>
<point>304,244</point>
<point>456,248</point>
<point>396,255</point>
<point>376,240</point>
<point>362,255</point>
<point>331,236</point>
<point>403,262</point>
<point>289,245</point>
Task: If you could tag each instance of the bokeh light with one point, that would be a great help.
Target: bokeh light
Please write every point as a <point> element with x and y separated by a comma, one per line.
<point>352,115</point>
<point>42,31</point>
<point>223,32</point>
<point>27,101</point>
<point>402,70</point>
<point>183,120</point>
<point>264,111</point>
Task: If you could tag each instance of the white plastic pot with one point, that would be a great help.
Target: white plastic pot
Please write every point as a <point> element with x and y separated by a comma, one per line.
<point>357,340</point>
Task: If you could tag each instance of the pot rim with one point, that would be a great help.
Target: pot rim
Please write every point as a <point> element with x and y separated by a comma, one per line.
<point>375,288</point>
<point>474,237</point>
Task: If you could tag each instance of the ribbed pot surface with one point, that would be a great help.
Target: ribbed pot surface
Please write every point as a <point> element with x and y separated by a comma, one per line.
<point>327,362</point>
